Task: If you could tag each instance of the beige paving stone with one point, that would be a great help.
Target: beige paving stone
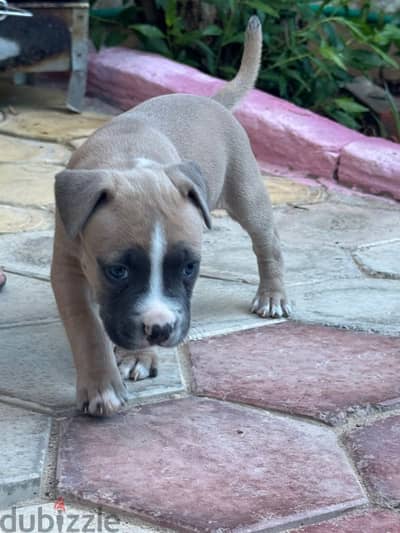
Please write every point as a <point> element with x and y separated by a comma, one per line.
<point>77,143</point>
<point>48,125</point>
<point>16,219</point>
<point>15,98</point>
<point>13,149</point>
<point>27,183</point>
<point>286,191</point>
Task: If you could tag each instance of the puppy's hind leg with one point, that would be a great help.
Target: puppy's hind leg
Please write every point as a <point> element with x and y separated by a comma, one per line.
<point>247,202</point>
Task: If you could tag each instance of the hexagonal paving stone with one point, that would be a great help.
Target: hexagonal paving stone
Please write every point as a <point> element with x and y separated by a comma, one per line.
<point>16,219</point>
<point>227,310</point>
<point>36,365</point>
<point>56,126</point>
<point>380,260</point>
<point>343,221</point>
<point>23,443</point>
<point>26,300</point>
<point>17,98</point>
<point>369,521</point>
<point>376,452</point>
<point>43,517</point>
<point>203,465</point>
<point>228,254</point>
<point>366,304</point>
<point>27,253</point>
<point>15,150</point>
<point>28,183</point>
<point>221,307</point>
<point>309,370</point>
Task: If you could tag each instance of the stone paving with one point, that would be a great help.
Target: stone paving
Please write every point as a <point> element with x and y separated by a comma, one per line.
<point>251,425</point>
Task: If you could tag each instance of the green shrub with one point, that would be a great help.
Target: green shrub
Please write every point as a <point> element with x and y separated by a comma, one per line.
<point>310,51</point>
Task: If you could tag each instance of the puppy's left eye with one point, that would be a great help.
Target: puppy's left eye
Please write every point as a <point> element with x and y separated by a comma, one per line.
<point>189,269</point>
<point>116,272</point>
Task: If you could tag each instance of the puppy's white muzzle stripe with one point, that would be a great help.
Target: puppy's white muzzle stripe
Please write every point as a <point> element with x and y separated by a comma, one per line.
<point>155,307</point>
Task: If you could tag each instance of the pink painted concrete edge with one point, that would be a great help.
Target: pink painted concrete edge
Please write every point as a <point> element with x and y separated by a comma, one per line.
<point>285,138</point>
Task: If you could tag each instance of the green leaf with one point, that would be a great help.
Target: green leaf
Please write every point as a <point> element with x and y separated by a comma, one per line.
<point>291,73</point>
<point>227,72</point>
<point>238,38</point>
<point>389,34</point>
<point>363,60</point>
<point>115,38</point>
<point>209,54</point>
<point>170,13</point>
<point>345,119</point>
<point>211,30</point>
<point>263,7</point>
<point>152,32</point>
<point>394,109</point>
<point>332,55</point>
<point>350,106</point>
<point>157,46</point>
<point>187,38</point>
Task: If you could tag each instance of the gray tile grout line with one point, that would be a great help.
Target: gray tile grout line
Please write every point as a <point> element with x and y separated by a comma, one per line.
<point>316,519</point>
<point>27,405</point>
<point>26,323</point>
<point>48,485</point>
<point>360,479</point>
<point>26,273</point>
<point>136,518</point>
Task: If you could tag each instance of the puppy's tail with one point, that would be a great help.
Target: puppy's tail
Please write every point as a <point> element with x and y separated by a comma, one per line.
<point>246,77</point>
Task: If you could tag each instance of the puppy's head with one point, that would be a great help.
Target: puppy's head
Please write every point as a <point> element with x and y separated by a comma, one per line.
<point>140,238</point>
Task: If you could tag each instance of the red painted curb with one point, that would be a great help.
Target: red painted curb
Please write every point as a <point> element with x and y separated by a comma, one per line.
<point>283,136</point>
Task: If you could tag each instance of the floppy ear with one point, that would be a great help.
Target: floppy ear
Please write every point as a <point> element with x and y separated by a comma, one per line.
<point>77,193</point>
<point>190,181</point>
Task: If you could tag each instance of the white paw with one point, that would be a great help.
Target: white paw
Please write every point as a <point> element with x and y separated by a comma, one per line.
<point>271,305</point>
<point>136,365</point>
<point>101,398</point>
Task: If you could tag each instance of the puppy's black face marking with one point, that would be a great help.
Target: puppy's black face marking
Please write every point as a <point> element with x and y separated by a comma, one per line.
<point>126,294</point>
<point>125,281</point>
<point>180,270</point>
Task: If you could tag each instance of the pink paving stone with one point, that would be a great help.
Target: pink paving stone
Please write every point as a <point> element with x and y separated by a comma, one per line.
<point>309,370</point>
<point>203,465</point>
<point>281,133</point>
<point>376,453</point>
<point>371,164</point>
<point>369,521</point>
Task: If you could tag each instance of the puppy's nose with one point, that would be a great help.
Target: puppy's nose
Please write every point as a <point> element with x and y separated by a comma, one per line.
<point>158,334</point>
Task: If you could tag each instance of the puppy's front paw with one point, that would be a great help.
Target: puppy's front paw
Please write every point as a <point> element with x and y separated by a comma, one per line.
<point>271,304</point>
<point>101,397</point>
<point>136,365</point>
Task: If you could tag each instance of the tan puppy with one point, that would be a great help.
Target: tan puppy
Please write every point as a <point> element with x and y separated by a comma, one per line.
<point>130,210</point>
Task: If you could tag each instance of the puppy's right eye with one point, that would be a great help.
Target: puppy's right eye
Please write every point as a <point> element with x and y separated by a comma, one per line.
<point>116,272</point>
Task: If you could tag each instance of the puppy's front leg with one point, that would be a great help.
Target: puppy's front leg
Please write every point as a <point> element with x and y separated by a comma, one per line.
<point>248,203</point>
<point>100,390</point>
<point>136,364</point>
